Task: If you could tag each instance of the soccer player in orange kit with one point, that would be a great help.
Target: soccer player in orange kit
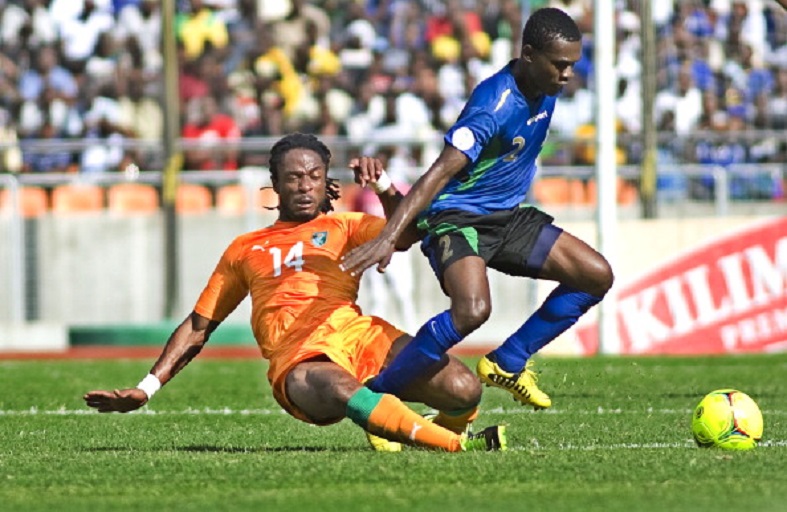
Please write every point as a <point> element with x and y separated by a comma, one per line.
<point>306,321</point>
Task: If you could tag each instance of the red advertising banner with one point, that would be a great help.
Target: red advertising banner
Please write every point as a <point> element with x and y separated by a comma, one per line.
<point>727,296</point>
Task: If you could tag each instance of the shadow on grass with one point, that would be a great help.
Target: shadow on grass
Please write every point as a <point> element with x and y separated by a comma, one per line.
<point>228,449</point>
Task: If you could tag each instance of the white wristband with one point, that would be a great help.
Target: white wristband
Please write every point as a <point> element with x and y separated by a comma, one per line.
<point>382,184</point>
<point>150,384</point>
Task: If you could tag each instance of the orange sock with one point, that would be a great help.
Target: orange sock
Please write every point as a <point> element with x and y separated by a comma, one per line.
<point>456,421</point>
<point>386,416</point>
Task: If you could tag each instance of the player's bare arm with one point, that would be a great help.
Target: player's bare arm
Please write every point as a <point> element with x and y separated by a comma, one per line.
<point>379,250</point>
<point>367,171</point>
<point>183,345</point>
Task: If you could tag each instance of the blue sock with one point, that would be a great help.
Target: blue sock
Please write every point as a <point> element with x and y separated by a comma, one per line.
<point>433,340</point>
<point>559,311</point>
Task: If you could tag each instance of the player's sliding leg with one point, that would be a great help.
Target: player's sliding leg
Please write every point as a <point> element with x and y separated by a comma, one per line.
<point>387,416</point>
<point>509,367</point>
<point>450,387</point>
<point>458,421</point>
<point>321,392</point>
<point>433,340</point>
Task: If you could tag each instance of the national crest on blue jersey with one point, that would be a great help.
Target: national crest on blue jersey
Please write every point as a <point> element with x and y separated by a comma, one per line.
<point>319,238</point>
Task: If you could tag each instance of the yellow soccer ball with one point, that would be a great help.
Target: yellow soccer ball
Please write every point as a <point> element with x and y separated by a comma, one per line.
<point>727,419</point>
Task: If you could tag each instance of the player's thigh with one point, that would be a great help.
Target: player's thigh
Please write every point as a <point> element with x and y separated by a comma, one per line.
<point>321,389</point>
<point>574,263</point>
<point>467,284</point>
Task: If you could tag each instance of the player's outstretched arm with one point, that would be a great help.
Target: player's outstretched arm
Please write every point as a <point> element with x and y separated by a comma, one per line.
<point>379,250</point>
<point>370,172</point>
<point>183,345</point>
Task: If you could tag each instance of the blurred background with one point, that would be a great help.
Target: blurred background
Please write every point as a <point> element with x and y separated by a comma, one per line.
<point>134,137</point>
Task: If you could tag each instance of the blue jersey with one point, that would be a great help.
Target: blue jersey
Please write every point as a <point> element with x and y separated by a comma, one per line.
<point>501,132</point>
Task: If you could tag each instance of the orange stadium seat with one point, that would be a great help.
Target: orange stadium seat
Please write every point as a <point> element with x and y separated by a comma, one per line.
<point>552,190</point>
<point>33,201</point>
<point>232,200</point>
<point>77,198</point>
<point>193,198</point>
<point>132,198</point>
<point>626,194</point>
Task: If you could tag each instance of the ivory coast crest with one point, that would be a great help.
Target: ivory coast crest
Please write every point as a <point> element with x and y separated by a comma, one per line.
<point>319,238</point>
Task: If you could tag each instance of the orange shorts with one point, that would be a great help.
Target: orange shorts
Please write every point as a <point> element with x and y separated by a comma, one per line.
<point>359,345</point>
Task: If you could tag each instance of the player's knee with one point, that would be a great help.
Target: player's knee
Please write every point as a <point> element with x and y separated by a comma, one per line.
<point>468,390</point>
<point>605,278</point>
<point>599,277</point>
<point>470,315</point>
<point>463,386</point>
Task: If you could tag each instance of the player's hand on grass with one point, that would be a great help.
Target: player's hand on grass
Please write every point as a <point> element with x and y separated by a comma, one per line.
<point>366,169</point>
<point>119,400</point>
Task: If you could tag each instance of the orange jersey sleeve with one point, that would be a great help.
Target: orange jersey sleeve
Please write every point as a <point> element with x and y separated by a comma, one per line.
<point>291,270</point>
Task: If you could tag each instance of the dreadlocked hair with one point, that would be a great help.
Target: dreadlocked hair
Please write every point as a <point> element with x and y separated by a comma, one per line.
<point>549,24</point>
<point>310,142</point>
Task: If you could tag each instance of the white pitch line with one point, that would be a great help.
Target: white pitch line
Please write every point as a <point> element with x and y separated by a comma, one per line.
<point>533,446</point>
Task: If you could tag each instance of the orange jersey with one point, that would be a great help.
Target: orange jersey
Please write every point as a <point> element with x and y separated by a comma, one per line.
<point>292,272</point>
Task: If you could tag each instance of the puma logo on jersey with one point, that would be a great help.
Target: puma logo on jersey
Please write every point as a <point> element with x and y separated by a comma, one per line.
<point>416,428</point>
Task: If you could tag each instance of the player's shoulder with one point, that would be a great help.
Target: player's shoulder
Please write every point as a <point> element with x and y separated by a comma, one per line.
<point>348,219</point>
<point>495,91</point>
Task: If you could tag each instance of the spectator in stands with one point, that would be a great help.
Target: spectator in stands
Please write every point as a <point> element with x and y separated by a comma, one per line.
<point>574,109</point>
<point>191,80</point>
<point>292,30</point>
<point>141,21</point>
<point>105,133</point>
<point>776,103</point>
<point>42,153</point>
<point>684,100</point>
<point>10,152</point>
<point>26,24</point>
<point>47,75</point>
<point>105,63</point>
<point>79,34</point>
<point>580,10</point>
<point>140,115</point>
<point>210,130</point>
<point>279,85</point>
<point>200,27</point>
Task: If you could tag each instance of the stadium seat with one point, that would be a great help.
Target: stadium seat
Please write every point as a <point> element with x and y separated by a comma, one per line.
<point>77,198</point>
<point>232,200</point>
<point>132,198</point>
<point>627,193</point>
<point>193,198</point>
<point>576,192</point>
<point>552,190</point>
<point>33,201</point>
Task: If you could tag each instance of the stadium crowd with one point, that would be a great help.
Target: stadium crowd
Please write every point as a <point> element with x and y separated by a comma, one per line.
<point>367,70</point>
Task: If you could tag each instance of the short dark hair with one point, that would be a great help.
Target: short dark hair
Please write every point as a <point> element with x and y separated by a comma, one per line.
<point>305,141</point>
<point>549,24</point>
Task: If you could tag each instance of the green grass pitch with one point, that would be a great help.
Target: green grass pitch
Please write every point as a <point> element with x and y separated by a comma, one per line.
<point>617,439</point>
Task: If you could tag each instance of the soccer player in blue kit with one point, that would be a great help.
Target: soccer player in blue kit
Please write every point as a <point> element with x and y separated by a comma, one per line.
<point>469,205</point>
